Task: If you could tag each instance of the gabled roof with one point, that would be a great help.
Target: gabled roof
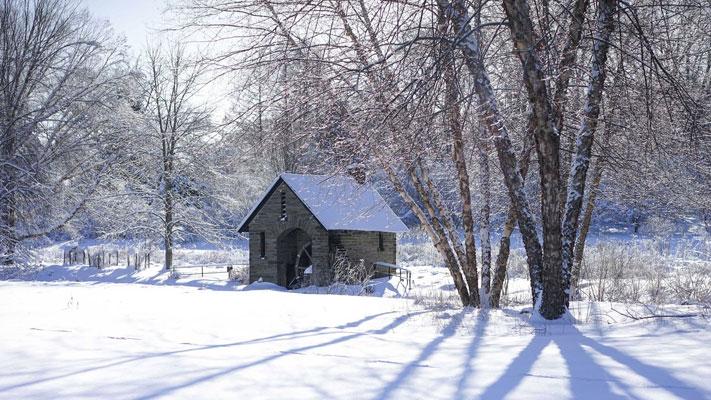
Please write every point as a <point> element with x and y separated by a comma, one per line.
<point>337,202</point>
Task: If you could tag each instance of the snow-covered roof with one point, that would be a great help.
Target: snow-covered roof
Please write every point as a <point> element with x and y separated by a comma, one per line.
<point>337,202</point>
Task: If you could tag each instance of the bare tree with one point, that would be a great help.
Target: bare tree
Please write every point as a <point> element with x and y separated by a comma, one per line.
<point>170,146</point>
<point>59,76</point>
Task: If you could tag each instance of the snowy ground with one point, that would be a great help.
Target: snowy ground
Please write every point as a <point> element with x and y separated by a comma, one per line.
<point>73,332</point>
<point>93,339</point>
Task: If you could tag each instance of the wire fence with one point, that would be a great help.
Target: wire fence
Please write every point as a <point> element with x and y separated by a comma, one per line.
<point>207,269</point>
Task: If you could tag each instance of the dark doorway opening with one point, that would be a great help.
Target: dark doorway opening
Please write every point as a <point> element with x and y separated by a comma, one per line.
<point>294,258</point>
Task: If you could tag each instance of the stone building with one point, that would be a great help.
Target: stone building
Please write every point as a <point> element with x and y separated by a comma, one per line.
<point>304,223</point>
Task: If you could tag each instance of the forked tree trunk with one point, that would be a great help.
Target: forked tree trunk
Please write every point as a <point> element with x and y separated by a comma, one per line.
<point>560,99</point>
<point>525,41</point>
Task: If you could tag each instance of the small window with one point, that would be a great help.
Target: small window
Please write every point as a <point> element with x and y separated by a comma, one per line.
<point>283,206</point>
<point>381,243</point>
<point>262,245</point>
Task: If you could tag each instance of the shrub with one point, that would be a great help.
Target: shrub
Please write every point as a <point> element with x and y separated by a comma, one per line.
<point>240,273</point>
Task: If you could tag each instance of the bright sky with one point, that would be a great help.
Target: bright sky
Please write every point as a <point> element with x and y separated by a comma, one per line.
<point>134,19</point>
<point>137,20</point>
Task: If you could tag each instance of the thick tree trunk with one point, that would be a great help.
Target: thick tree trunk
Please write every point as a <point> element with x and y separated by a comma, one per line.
<point>525,41</point>
<point>565,69</point>
<point>581,162</point>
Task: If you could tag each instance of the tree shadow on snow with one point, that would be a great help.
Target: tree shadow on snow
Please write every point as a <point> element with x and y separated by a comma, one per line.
<point>428,351</point>
<point>587,379</point>
<point>318,331</point>
<point>299,350</point>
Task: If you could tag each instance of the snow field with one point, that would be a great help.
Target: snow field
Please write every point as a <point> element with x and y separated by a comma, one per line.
<point>69,340</point>
<point>79,332</point>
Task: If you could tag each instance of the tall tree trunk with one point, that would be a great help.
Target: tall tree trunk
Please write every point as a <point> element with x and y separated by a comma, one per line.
<point>565,69</point>
<point>168,146</point>
<point>442,232</point>
<point>482,141</point>
<point>454,123</point>
<point>579,251</point>
<point>579,168</point>
<point>484,222</point>
<point>505,242</point>
<point>469,45</point>
<point>562,83</point>
<point>168,234</point>
<point>8,237</point>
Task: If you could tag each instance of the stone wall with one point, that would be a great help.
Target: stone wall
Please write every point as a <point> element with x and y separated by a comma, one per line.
<point>272,268</point>
<point>364,245</point>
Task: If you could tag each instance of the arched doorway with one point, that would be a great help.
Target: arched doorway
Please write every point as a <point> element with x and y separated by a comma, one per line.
<point>293,257</point>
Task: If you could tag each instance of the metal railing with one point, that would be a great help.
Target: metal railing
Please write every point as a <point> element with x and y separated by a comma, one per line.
<point>384,269</point>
